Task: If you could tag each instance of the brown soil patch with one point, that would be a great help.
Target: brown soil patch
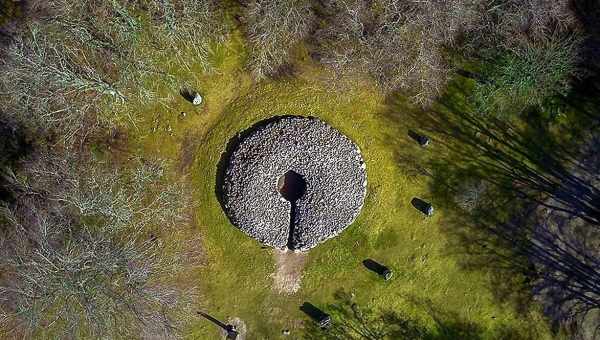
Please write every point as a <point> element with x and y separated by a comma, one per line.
<point>288,271</point>
<point>189,146</point>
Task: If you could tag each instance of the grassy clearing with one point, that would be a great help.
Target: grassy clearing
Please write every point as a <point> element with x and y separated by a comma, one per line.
<point>428,285</point>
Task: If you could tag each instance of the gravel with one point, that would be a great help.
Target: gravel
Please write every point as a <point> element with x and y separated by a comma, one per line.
<point>330,164</point>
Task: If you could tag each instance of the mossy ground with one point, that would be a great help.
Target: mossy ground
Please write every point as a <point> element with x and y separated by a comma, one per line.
<point>235,281</point>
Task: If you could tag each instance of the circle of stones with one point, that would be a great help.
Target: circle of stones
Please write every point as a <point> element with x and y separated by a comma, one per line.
<point>330,164</point>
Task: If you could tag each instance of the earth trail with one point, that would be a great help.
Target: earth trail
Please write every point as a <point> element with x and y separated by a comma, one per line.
<point>288,271</point>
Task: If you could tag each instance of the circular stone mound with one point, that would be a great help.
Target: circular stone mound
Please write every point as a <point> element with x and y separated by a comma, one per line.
<point>293,182</point>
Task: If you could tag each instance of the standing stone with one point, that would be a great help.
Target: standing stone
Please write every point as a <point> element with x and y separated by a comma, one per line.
<point>321,318</point>
<point>424,207</point>
<point>421,139</point>
<point>232,333</point>
<point>378,268</point>
<point>197,99</point>
<point>387,274</point>
<point>191,96</point>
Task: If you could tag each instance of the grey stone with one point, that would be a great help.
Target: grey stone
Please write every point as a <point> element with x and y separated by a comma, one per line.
<point>330,165</point>
<point>424,207</point>
<point>197,100</point>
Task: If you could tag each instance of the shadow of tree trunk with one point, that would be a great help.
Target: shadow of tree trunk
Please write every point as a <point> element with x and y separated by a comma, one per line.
<point>536,226</point>
<point>531,164</point>
<point>352,321</point>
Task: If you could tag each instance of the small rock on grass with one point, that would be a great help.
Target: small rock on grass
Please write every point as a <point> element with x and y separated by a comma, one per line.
<point>197,99</point>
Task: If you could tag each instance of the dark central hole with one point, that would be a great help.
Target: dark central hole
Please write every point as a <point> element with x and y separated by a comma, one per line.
<point>291,186</point>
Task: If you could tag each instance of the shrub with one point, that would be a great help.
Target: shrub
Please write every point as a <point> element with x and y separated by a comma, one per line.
<point>470,193</point>
<point>273,29</point>
<point>527,75</point>
<point>83,254</point>
<point>400,44</point>
<point>82,56</point>
<point>529,51</point>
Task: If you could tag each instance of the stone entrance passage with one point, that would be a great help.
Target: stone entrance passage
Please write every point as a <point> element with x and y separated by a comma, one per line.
<point>291,186</point>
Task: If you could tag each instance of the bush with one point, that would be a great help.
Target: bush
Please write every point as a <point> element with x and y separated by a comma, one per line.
<point>81,56</point>
<point>527,75</point>
<point>529,51</point>
<point>400,44</point>
<point>86,254</point>
<point>273,29</point>
<point>470,193</point>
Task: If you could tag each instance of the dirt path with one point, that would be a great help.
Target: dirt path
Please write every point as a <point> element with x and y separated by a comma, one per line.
<point>288,271</point>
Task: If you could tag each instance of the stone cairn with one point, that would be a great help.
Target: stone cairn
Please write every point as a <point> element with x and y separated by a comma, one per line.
<point>294,182</point>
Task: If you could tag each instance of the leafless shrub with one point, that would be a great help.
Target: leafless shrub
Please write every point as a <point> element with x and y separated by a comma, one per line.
<point>512,24</point>
<point>80,21</point>
<point>274,28</point>
<point>529,52</point>
<point>189,25</point>
<point>42,82</point>
<point>81,56</point>
<point>399,43</point>
<point>535,19</point>
<point>84,254</point>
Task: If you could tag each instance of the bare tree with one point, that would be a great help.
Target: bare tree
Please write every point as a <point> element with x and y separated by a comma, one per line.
<point>188,27</point>
<point>534,19</point>
<point>86,250</point>
<point>81,56</point>
<point>399,43</point>
<point>43,80</point>
<point>88,254</point>
<point>274,28</point>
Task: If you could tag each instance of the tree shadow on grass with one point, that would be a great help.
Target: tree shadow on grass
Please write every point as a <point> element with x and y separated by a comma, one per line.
<point>525,251</point>
<point>528,162</point>
<point>351,321</point>
<point>532,175</point>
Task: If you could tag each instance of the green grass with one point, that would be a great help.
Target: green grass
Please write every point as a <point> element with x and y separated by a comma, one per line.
<point>236,280</point>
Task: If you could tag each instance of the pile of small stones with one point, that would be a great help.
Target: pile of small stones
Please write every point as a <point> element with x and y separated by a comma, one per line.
<point>329,163</point>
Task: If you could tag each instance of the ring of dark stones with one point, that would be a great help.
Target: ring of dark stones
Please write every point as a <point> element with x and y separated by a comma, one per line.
<point>293,182</point>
